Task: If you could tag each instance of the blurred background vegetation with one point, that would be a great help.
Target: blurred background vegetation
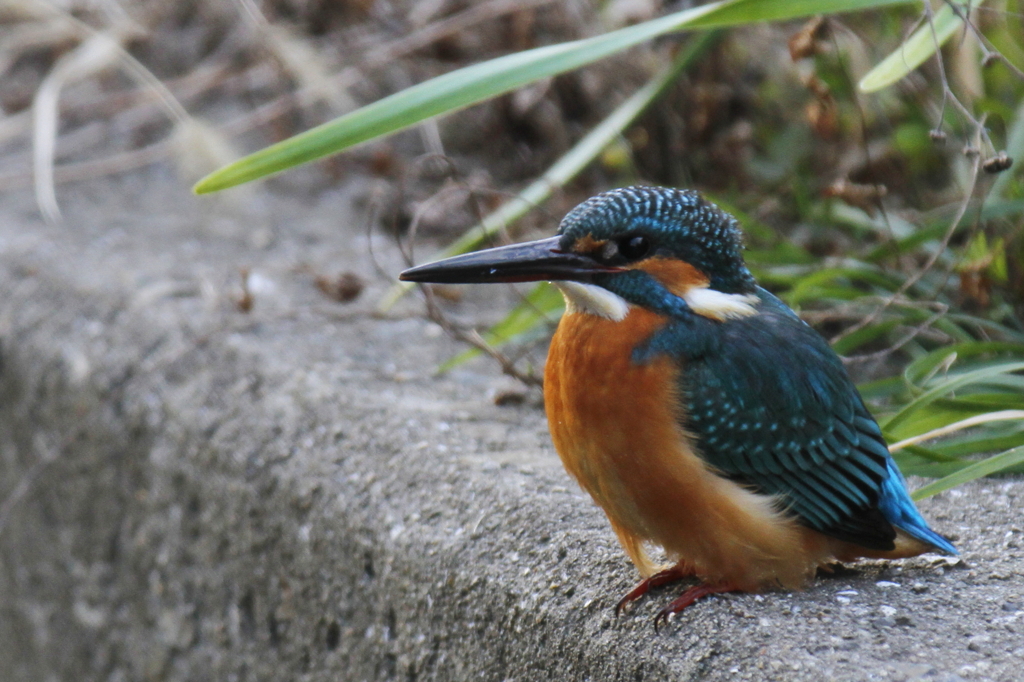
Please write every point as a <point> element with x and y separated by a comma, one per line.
<point>890,220</point>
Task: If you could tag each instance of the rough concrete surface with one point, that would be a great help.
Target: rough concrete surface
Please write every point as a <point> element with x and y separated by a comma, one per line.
<point>192,492</point>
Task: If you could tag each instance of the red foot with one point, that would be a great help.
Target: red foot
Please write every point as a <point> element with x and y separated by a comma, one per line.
<point>687,598</point>
<point>669,575</point>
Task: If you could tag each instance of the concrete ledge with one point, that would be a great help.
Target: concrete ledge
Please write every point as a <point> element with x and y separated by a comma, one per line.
<point>289,494</point>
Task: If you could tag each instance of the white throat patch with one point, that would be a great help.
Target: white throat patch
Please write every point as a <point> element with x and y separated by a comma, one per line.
<point>593,300</point>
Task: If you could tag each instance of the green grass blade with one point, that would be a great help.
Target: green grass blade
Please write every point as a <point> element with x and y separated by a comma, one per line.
<point>740,12</point>
<point>865,335</point>
<point>473,84</point>
<point>921,369</point>
<point>940,414</point>
<point>879,389</point>
<point>986,467</point>
<point>915,50</point>
<point>946,411</point>
<point>918,461</point>
<point>921,452</point>
<point>976,420</point>
<point>979,444</point>
<point>951,384</point>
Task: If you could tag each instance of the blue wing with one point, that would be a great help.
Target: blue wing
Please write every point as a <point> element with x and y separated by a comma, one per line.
<point>770,405</point>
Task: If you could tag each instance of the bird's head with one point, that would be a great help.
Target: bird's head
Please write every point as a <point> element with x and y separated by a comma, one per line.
<point>646,246</point>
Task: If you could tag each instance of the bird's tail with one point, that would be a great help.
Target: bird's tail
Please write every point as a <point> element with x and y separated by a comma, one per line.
<point>899,509</point>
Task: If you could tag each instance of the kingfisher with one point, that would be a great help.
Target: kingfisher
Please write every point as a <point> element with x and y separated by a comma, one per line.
<point>697,409</point>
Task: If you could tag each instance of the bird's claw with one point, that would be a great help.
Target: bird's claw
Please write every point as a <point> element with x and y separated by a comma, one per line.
<point>669,575</point>
<point>686,599</point>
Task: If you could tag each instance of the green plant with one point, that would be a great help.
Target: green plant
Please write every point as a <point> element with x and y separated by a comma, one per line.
<point>462,88</point>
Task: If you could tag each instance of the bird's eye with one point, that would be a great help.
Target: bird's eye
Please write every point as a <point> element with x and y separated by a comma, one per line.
<point>634,247</point>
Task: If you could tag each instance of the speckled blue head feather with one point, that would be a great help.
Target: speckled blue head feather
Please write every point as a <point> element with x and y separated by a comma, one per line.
<point>680,223</point>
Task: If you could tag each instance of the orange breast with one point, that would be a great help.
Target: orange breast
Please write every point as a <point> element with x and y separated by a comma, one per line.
<point>607,414</point>
<point>599,402</point>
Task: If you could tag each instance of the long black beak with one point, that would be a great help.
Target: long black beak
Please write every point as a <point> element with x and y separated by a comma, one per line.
<point>527,262</point>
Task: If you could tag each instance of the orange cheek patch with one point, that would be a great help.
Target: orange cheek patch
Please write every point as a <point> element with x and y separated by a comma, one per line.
<point>677,276</point>
<point>587,244</point>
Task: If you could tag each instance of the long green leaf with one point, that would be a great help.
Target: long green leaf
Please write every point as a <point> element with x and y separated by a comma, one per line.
<point>476,83</point>
<point>914,51</point>
<point>985,467</point>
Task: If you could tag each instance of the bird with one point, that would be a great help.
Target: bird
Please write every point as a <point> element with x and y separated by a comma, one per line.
<point>698,410</point>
